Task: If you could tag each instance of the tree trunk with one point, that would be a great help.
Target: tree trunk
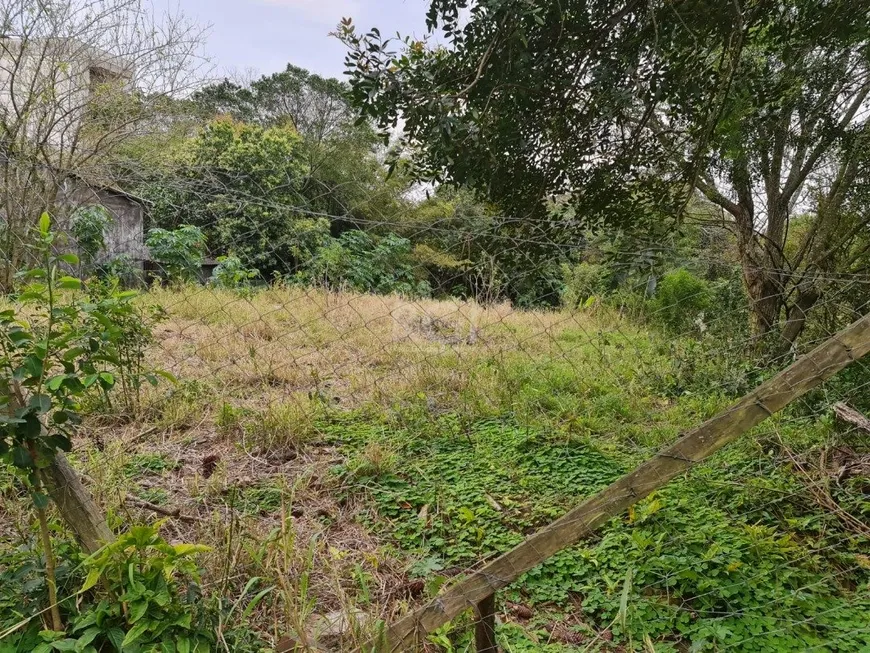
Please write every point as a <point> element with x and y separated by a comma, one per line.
<point>761,275</point>
<point>765,300</point>
<point>796,317</point>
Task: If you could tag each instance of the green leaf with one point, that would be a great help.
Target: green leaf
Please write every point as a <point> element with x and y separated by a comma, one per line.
<point>70,283</point>
<point>64,645</point>
<point>31,428</point>
<point>40,403</point>
<point>55,382</point>
<point>623,599</point>
<point>182,620</point>
<point>73,352</point>
<point>137,611</point>
<point>32,367</point>
<point>72,259</point>
<point>51,635</point>
<point>135,633</point>
<point>21,457</point>
<point>169,376</point>
<point>92,579</point>
<point>116,636</point>
<point>40,500</point>
<point>182,644</point>
<point>44,223</point>
<point>255,601</point>
<point>87,637</point>
<point>186,549</point>
<point>89,619</point>
<point>32,295</point>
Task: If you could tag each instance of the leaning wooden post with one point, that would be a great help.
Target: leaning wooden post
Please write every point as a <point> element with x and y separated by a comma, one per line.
<point>484,628</point>
<point>76,505</point>
<point>806,373</point>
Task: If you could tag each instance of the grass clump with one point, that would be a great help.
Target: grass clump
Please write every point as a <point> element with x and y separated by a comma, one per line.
<point>283,427</point>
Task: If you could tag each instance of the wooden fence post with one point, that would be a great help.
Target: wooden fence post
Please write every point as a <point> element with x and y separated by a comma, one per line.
<point>804,374</point>
<point>484,627</point>
<point>76,505</point>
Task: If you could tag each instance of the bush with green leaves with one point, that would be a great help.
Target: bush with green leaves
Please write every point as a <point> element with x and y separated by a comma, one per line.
<point>88,226</point>
<point>241,184</point>
<point>680,300</point>
<point>137,593</point>
<point>231,273</point>
<point>62,347</point>
<point>123,269</point>
<point>147,576</point>
<point>128,326</point>
<point>365,262</point>
<point>179,252</point>
<point>582,281</point>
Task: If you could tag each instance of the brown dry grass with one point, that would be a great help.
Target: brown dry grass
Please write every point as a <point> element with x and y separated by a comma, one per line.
<point>356,348</point>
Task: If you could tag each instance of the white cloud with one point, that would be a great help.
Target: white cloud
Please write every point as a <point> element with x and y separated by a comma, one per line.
<point>324,11</point>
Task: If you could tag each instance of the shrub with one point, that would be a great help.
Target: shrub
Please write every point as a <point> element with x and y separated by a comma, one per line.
<point>242,185</point>
<point>179,252</point>
<point>149,576</point>
<point>69,345</point>
<point>88,226</point>
<point>581,282</point>
<point>122,269</point>
<point>680,300</point>
<point>366,263</point>
<point>63,348</point>
<point>230,273</point>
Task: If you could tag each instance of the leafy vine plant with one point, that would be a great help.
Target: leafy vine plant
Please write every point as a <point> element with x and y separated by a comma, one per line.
<point>59,344</point>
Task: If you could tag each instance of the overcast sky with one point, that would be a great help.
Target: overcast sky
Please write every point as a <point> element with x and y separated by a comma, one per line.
<point>265,35</point>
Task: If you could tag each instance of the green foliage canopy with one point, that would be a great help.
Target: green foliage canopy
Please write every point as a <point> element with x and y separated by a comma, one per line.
<point>622,111</point>
<point>240,184</point>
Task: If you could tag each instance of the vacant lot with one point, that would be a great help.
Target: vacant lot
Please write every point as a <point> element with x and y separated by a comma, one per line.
<point>353,453</point>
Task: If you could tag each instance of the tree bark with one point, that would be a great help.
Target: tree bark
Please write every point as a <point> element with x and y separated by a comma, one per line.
<point>765,303</point>
<point>796,318</point>
<point>76,505</point>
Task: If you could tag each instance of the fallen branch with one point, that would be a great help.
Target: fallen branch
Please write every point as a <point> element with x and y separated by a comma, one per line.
<point>168,512</point>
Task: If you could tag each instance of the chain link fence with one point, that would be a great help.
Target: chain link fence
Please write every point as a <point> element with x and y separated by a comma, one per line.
<point>354,454</point>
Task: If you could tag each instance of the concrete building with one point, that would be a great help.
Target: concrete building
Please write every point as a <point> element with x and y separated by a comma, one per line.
<point>50,91</point>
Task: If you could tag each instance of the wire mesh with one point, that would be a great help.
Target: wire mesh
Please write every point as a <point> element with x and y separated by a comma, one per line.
<point>380,446</point>
<point>356,444</point>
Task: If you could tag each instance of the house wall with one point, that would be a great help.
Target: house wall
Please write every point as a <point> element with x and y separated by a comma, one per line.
<point>126,234</point>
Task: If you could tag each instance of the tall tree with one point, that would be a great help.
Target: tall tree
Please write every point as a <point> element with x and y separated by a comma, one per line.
<point>240,184</point>
<point>616,108</point>
<point>346,177</point>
